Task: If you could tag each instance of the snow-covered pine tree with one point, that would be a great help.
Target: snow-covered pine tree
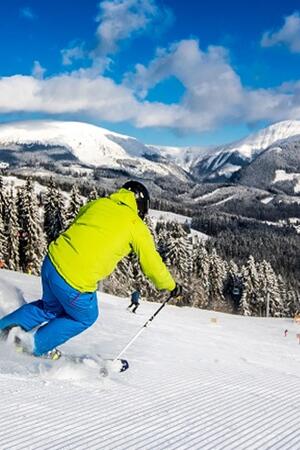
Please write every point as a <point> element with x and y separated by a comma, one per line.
<point>200,289</point>
<point>3,243</point>
<point>121,281</point>
<point>54,212</point>
<point>232,270</point>
<point>3,202</point>
<point>74,205</point>
<point>178,251</point>
<point>283,295</point>
<point>12,233</point>
<point>140,282</point>
<point>269,295</point>
<point>151,226</point>
<point>293,302</point>
<point>249,304</point>
<point>32,239</point>
<point>244,307</point>
<point>233,285</point>
<point>161,234</point>
<point>93,194</point>
<point>179,258</point>
<point>217,275</point>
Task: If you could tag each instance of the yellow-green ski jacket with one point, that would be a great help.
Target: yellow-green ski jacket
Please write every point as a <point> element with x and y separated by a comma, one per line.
<point>105,231</point>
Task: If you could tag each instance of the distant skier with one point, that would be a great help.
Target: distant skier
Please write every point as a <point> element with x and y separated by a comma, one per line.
<point>104,231</point>
<point>135,301</point>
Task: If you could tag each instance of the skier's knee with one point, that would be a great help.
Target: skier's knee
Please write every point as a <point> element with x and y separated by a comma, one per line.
<point>90,318</point>
<point>94,317</point>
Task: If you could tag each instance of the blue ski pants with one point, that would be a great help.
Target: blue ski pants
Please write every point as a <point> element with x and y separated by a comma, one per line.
<point>62,313</point>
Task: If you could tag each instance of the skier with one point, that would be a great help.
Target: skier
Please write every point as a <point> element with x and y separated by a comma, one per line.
<point>104,231</point>
<point>135,301</point>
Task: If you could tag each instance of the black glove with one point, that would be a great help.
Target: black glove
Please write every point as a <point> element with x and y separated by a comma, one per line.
<point>177,291</point>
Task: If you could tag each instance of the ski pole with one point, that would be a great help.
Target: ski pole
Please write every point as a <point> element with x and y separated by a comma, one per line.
<point>146,324</point>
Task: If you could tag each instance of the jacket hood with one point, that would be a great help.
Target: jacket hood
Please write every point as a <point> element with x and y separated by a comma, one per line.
<point>126,198</point>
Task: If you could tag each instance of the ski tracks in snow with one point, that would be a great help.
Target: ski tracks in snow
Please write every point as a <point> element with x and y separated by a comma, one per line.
<point>193,383</point>
<point>218,408</point>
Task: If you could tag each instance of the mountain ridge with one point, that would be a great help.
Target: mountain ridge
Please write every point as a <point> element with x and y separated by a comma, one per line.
<point>69,143</point>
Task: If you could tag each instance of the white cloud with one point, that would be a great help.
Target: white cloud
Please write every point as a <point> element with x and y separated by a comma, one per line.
<point>118,20</point>
<point>73,53</point>
<point>27,13</point>
<point>76,93</point>
<point>38,71</point>
<point>121,19</point>
<point>213,91</point>
<point>71,93</point>
<point>288,35</point>
<point>214,94</point>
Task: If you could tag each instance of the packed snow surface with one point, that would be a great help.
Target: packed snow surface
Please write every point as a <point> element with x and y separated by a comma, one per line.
<point>197,380</point>
<point>267,200</point>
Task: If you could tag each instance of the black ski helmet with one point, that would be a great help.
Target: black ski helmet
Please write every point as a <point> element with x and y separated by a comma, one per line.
<point>141,196</point>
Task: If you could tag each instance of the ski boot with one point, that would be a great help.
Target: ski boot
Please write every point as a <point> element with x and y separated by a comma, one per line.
<point>54,354</point>
<point>26,347</point>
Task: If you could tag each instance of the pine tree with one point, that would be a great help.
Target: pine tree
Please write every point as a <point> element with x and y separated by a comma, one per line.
<point>178,252</point>
<point>292,302</point>
<point>283,295</point>
<point>3,201</point>
<point>269,295</point>
<point>121,281</point>
<point>179,258</point>
<point>233,270</point>
<point>3,244</point>
<point>32,240</point>
<point>249,304</point>
<point>93,194</point>
<point>54,212</point>
<point>12,233</point>
<point>233,285</point>
<point>140,282</point>
<point>162,234</point>
<point>151,226</point>
<point>74,205</point>
<point>200,276</point>
<point>217,275</point>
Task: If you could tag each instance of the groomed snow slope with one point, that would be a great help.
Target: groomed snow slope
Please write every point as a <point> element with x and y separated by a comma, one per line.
<point>192,384</point>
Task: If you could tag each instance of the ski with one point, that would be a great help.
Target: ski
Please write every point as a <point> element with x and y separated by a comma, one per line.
<point>106,366</point>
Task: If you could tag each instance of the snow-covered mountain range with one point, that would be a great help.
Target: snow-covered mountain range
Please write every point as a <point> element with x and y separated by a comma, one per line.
<point>83,144</point>
<point>77,144</point>
<point>222,162</point>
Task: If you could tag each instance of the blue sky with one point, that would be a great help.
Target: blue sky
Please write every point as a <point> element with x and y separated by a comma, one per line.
<point>167,72</point>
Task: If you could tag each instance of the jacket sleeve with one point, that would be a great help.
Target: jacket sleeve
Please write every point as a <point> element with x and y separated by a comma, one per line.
<point>151,263</point>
